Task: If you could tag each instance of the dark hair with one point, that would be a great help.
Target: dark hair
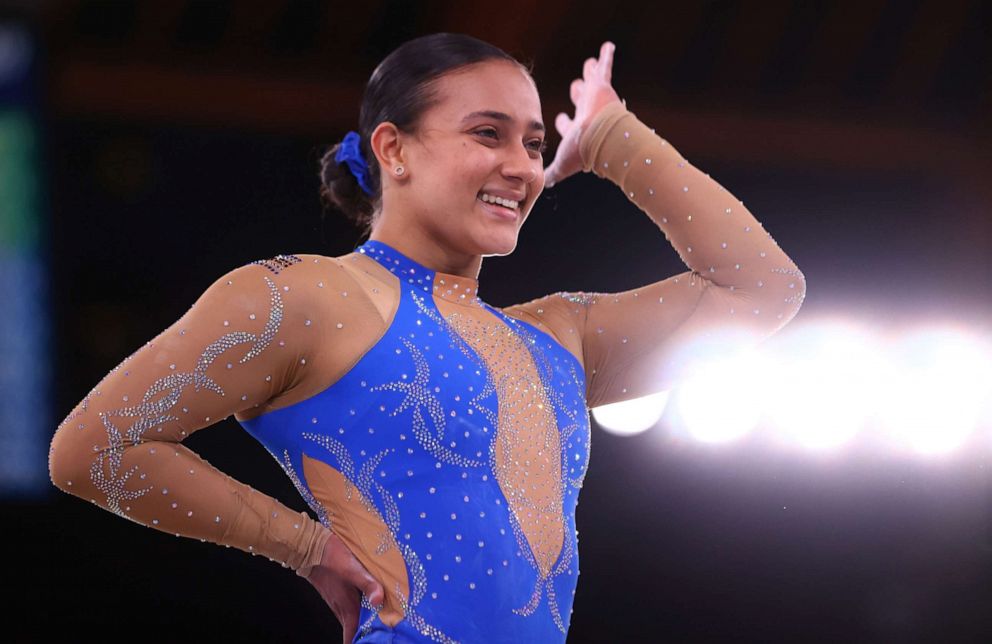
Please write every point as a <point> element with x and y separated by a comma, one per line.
<point>400,90</point>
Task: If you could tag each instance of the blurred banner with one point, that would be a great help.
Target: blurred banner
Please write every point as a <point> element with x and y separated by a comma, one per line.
<point>25,413</point>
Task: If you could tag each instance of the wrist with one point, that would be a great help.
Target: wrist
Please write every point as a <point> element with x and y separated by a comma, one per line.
<point>595,131</point>
<point>315,553</point>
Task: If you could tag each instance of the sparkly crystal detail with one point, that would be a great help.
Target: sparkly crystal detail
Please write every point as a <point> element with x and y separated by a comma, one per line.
<point>279,262</point>
<point>315,505</point>
<point>581,297</point>
<point>154,410</point>
<point>425,404</point>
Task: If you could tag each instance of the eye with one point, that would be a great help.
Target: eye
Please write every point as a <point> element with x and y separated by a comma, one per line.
<point>487,131</point>
<point>538,145</point>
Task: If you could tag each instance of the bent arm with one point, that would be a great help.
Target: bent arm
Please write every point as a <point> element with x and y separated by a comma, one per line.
<point>121,447</point>
<point>741,287</point>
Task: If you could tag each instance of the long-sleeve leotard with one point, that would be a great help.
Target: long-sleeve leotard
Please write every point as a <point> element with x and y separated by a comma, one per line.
<point>444,440</point>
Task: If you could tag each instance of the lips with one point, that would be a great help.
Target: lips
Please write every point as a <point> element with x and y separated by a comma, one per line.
<point>500,211</point>
<point>502,203</point>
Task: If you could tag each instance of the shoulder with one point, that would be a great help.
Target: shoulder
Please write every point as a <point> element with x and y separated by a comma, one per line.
<point>566,304</point>
<point>302,283</point>
<point>561,315</point>
<point>282,280</point>
<point>283,268</point>
<point>294,263</point>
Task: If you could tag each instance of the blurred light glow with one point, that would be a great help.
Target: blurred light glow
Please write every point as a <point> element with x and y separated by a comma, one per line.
<point>825,383</point>
<point>821,386</point>
<point>936,385</point>
<point>721,400</point>
<point>631,416</point>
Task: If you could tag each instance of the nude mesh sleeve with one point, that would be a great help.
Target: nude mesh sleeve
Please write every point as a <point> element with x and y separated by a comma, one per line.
<point>741,287</point>
<point>121,447</point>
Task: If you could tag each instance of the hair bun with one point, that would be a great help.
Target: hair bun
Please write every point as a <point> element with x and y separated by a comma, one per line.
<point>339,189</point>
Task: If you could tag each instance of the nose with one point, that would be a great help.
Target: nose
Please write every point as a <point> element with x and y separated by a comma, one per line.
<point>518,164</point>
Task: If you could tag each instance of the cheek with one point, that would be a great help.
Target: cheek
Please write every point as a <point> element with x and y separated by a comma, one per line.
<point>482,161</point>
<point>466,169</point>
<point>473,170</point>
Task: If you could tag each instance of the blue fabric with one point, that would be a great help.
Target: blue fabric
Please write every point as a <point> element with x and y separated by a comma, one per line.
<point>366,426</point>
<point>350,152</point>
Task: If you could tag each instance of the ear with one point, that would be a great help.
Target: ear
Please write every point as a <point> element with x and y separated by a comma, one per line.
<point>387,146</point>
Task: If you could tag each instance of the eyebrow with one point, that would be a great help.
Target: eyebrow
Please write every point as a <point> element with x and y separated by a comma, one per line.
<point>502,116</point>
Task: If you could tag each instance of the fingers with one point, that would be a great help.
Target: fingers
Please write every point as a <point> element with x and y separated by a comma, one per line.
<point>349,619</point>
<point>605,66</point>
<point>575,90</point>
<point>563,123</point>
<point>601,67</point>
<point>550,176</point>
<point>347,608</point>
<point>353,572</point>
<point>349,625</point>
<point>589,69</point>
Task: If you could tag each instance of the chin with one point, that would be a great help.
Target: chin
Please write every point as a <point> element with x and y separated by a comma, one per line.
<point>496,236</point>
<point>499,245</point>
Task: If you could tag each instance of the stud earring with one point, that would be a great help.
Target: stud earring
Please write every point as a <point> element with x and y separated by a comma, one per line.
<point>399,170</point>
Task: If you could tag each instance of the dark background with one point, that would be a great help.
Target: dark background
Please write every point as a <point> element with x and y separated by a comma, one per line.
<point>181,141</point>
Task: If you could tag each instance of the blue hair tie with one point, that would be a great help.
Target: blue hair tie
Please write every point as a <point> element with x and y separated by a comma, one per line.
<point>350,153</point>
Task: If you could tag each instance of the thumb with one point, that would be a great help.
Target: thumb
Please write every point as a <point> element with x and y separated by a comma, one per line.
<point>550,175</point>
<point>373,590</point>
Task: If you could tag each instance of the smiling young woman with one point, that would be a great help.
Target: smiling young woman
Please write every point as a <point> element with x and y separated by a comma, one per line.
<point>440,441</point>
<point>473,168</point>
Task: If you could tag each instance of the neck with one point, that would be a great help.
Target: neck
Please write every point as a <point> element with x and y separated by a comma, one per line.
<point>429,251</point>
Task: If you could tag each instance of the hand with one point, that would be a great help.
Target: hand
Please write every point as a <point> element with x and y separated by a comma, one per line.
<point>341,579</point>
<point>589,95</point>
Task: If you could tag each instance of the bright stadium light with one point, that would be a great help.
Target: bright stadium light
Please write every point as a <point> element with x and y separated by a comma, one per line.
<point>937,385</point>
<point>631,416</point>
<point>821,387</point>
<point>721,400</point>
<point>823,384</point>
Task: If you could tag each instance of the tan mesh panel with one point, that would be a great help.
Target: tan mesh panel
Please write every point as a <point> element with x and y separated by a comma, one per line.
<point>358,524</point>
<point>528,446</point>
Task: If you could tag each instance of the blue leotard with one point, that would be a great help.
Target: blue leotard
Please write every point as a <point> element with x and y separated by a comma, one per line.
<point>413,426</point>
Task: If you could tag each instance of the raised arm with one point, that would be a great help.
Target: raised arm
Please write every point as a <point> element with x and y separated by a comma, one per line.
<point>244,341</point>
<point>741,287</point>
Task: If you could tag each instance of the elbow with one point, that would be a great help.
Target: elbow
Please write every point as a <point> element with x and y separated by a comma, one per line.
<point>66,462</point>
<point>792,298</point>
<point>798,288</point>
<point>60,464</point>
<point>775,302</point>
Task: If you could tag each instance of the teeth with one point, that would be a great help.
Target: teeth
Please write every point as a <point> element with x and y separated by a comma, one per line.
<point>507,203</point>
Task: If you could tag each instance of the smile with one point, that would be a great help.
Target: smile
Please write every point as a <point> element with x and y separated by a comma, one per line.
<point>506,203</point>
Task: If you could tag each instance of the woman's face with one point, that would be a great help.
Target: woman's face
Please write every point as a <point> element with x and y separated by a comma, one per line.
<point>482,140</point>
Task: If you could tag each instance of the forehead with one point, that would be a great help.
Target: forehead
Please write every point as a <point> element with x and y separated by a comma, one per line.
<point>490,86</point>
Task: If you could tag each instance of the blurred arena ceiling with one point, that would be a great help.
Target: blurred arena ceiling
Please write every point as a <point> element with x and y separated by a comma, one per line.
<point>906,83</point>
